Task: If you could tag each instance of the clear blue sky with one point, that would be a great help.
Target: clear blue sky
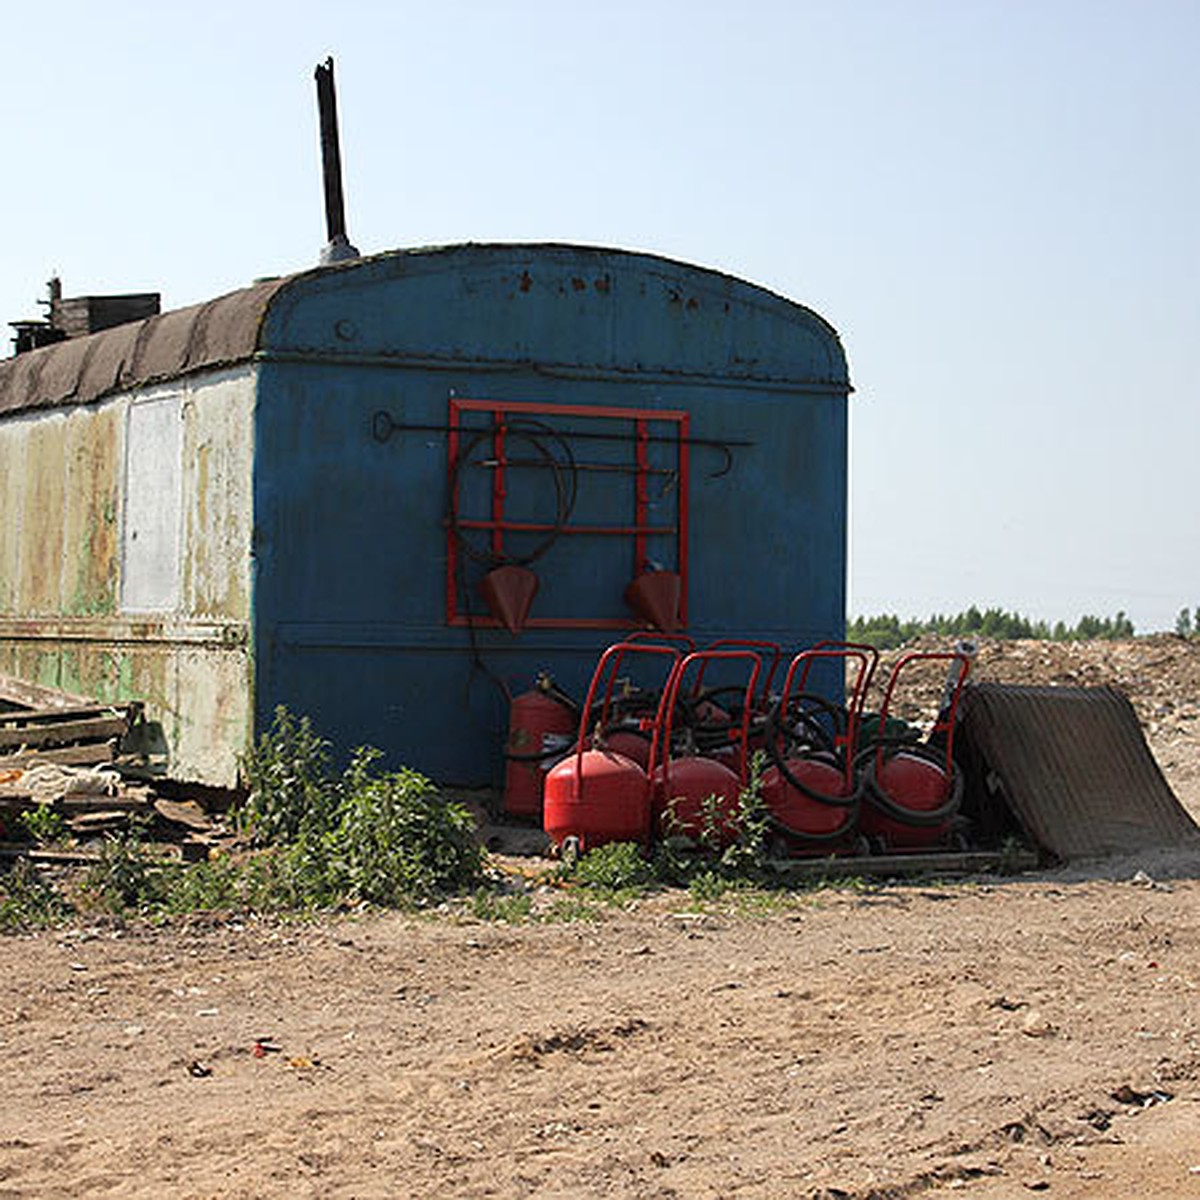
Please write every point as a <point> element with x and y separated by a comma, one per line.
<point>996,204</point>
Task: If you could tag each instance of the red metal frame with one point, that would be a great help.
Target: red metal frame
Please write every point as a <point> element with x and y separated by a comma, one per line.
<point>498,525</point>
<point>660,747</point>
<point>946,720</point>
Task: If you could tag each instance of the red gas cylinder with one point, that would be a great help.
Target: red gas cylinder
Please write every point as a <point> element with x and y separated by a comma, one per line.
<point>698,796</point>
<point>597,796</point>
<point>911,803</point>
<point>682,804</point>
<point>814,823</point>
<point>541,728</point>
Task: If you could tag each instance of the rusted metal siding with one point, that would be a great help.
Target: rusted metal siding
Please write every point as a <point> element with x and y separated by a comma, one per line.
<point>89,575</point>
<point>42,527</point>
<point>12,504</point>
<point>62,481</point>
<point>1074,768</point>
<point>218,457</point>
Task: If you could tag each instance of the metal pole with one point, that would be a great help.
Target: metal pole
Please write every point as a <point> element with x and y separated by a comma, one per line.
<point>338,247</point>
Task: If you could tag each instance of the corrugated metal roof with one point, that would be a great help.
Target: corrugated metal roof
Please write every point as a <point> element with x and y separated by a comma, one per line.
<point>218,333</point>
<point>1075,769</point>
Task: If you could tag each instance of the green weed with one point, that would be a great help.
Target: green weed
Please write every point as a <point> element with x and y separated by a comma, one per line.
<point>618,866</point>
<point>124,877</point>
<point>291,790</point>
<point>28,900</point>
<point>396,839</point>
<point>511,908</point>
<point>387,839</point>
<point>570,908</point>
<point>43,824</point>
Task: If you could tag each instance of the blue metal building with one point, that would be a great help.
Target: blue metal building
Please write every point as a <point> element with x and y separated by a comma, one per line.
<point>350,450</point>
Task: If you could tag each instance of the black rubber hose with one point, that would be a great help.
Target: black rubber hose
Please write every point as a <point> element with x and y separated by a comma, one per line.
<point>565,482</point>
<point>822,737</point>
<point>778,754</point>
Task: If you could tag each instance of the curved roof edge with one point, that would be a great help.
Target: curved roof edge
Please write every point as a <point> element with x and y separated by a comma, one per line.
<point>217,333</point>
<point>228,330</point>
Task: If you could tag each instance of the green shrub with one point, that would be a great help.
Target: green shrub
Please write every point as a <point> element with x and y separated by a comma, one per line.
<point>396,839</point>
<point>386,839</point>
<point>291,790</point>
<point>125,877</point>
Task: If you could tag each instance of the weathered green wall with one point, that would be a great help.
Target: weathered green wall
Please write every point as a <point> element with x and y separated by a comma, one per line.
<point>62,484</point>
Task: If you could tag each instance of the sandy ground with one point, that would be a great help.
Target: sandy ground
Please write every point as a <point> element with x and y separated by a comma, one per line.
<point>987,1038</point>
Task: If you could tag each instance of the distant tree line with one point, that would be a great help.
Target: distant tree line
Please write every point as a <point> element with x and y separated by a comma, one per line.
<point>887,631</point>
<point>1187,624</point>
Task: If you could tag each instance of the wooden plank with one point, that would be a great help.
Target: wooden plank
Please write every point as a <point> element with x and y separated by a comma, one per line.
<point>157,854</point>
<point>17,850</point>
<point>183,812</point>
<point>36,695</point>
<point>64,732</point>
<point>72,756</point>
<point>43,715</point>
<point>99,822</point>
<point>99,802</point>
<point>80,803</point>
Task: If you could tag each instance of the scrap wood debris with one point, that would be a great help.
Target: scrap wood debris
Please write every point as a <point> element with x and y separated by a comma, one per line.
<point>61,753</point>
<point>92,801</point>
<point>43,724</point>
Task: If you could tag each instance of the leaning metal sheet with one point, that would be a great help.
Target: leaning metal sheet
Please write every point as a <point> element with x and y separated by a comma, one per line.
<point>1075,769</point>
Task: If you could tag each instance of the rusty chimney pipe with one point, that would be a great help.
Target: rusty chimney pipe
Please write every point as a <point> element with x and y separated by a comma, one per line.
<point>338,247</point>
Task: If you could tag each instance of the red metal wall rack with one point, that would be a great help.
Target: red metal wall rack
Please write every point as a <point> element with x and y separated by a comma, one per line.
<point>630,444</point>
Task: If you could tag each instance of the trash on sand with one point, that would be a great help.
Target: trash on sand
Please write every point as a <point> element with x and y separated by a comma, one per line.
<point>1127,1095</point>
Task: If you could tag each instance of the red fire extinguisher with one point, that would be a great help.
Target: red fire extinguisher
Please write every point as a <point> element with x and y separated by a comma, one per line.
<point>541,729</point>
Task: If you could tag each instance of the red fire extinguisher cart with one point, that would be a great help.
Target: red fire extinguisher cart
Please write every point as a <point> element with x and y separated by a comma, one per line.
<point>597,795</point>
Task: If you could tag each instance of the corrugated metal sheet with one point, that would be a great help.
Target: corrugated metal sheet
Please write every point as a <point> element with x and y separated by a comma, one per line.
<point>218,333</point>
<point>1074,768</point>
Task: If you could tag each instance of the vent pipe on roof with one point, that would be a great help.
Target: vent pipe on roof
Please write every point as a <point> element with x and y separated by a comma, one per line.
<point>338,248</point>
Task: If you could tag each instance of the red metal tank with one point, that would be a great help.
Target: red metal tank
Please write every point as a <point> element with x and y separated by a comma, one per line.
<point>698,798</point>
<point>811,790</point>
<point>631,744</point>
<point>810,819</point>
<point>912,802</point>
<point>541,728</point>
<point>913,793</point>
<point>597,796</point>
